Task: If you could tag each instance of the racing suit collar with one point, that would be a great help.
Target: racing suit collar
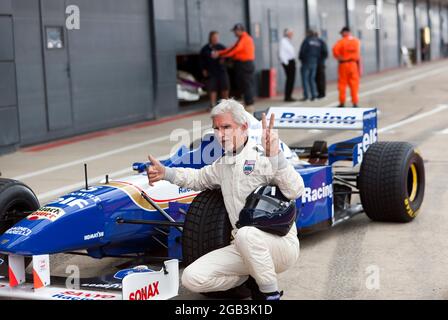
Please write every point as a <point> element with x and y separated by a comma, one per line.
<point>232,158</point>
<point>237,151</point>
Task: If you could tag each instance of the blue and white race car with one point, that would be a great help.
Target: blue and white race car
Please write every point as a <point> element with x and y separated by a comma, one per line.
<point>128,218</point>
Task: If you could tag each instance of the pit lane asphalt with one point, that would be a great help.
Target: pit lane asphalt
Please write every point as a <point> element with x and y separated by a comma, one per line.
<point>339,263</point>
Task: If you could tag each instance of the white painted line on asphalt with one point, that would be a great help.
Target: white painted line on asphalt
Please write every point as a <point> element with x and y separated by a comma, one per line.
<point>367,93</point>
<point>99,156</point>
<point>414,118</point>
<point>366,84</point>
<point>444,131</point>
<point>395,84</point>
<point>59,191</point>
<point>74,186</point>
<point>159,139</point>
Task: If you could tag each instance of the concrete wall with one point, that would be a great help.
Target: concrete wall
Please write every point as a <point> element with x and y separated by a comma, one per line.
<point>280,15</point>
<point>407,20</point>
<point>182,27</point>
<point>9,123</point>
<point>329,20</point>
<point>388,35</point>
<point>444,30</point>
<point>364,25</point>
<point>434,16</point>
<point>100,78</point>
<point>120,67</point>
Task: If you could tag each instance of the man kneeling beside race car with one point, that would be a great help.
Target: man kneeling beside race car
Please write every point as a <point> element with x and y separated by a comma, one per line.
<point>254,257</point>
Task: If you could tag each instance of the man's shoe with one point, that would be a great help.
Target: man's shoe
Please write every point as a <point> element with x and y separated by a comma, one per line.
<point>257,294</point>
<point>355,106</point>
<point>290,100</point>
<point>341,106</point>
<point>273,295</point>
<point>303,99</point>
<point>238,293</point>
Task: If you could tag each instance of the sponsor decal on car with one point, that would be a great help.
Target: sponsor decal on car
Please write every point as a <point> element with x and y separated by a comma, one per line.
<point>103,285</point>
<point>184,190</point>
<point>369,115</point>
<point>315,119</point>
<point>20,231</point>
<point>95,235</point>
<point>48,213</point>
<point>314,194</point>
<point>146,292</point>
<point>368,139</point>
<point>82,295</point>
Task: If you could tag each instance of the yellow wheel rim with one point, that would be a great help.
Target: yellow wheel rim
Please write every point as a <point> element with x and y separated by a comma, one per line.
<point>414,183</point>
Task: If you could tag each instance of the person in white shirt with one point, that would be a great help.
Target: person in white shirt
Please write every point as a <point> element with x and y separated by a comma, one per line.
<point>287,55</point>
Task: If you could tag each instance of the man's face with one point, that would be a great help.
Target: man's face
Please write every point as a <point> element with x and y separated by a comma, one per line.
<point>290,34</point>
<point>230,134</point>
<point>345,34</point>
<point>237,33</point>
<point>215,38</point>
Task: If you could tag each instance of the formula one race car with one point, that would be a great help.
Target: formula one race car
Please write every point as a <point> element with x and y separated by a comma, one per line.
<point>128,218</point>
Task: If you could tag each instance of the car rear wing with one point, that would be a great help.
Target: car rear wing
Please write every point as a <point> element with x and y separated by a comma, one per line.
<point>359,119</point>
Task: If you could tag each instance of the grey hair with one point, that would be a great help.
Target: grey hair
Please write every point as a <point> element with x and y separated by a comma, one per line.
<point>232,106</point>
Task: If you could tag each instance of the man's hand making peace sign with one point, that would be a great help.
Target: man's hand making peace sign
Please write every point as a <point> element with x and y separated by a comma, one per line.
<point>269,138</point>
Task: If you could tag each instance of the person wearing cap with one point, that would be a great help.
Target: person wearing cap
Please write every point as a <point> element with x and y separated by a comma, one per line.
<point>243,54</point>
<point>287,55</point>
<point>348,53</point>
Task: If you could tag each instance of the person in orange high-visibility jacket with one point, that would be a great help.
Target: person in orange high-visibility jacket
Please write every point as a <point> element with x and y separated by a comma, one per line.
<point>243,54</point>
<point>348,53</point>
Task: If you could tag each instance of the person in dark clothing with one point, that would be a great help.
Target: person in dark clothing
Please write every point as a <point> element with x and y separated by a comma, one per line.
<point>321,80</point>
<point>287,55</point>
<point>214,70</point>
<point>243,55</point>
<point>309,55</point>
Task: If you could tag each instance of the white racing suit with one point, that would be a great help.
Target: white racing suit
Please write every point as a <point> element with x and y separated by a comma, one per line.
<point>252,251</point>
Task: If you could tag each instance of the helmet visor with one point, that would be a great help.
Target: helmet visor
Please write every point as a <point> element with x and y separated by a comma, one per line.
<point>261,203</point>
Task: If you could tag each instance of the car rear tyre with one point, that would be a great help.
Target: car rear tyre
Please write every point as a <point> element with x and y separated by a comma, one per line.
<point>392,182</point>
<point>207,226</point>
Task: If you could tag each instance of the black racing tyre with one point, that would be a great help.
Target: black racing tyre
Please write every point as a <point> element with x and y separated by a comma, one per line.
<point>17,200</point>
<point>392,182</point>
<point>207,226</point>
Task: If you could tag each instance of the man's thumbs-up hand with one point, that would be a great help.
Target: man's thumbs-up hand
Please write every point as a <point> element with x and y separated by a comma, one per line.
<point>156,171</point>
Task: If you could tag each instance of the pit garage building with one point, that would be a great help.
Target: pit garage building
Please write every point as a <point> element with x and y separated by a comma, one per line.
<point>122,64</point>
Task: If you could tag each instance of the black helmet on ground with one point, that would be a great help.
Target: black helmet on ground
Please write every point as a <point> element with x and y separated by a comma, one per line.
<point>268,210</point>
